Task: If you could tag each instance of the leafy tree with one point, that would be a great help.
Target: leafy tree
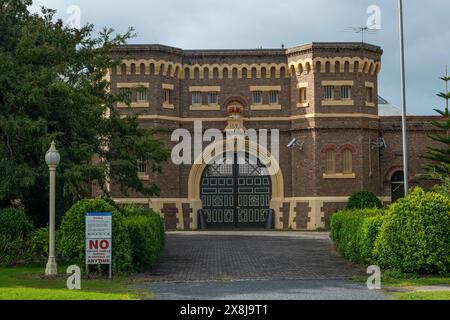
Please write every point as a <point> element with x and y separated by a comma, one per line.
<point>441,154</point>
<point>53,87</point>
<point>442,178</point>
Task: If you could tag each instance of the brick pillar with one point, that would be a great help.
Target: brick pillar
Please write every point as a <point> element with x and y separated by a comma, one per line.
<point>187,219</point>
<point>302,216</point>
<point>170,211</point>
<point>285,215</point>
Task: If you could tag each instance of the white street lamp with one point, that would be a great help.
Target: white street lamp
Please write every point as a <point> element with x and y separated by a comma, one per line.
<point>52,159</point>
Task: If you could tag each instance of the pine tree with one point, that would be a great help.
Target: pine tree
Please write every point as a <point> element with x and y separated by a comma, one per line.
<point>441,154</point>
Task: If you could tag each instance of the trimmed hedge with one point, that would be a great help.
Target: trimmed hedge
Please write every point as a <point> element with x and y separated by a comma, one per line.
<point>415,235</point>
<point>362,200</point>
<point>147,235</point>
<point>147,239</point>
<point>72,234</point>
<point>367,236</point>
<point>352,234</point>
<point>15,236</point>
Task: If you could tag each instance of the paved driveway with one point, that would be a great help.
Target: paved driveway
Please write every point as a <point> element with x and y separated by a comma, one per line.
<point>322,289</point>
<point>226,256</point>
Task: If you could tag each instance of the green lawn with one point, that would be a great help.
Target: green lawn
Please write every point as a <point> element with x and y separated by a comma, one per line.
<point>390,279</point>
<point>408,280</point>
<point>422,295</point>
<point>29,283</point>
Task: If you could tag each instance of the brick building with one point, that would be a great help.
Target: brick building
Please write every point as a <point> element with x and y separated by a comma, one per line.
<point>322,94</point>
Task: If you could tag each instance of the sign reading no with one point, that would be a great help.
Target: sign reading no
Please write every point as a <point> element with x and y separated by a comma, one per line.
<point>98,238</point>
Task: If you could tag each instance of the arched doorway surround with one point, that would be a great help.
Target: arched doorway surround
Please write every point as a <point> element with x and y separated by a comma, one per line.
<point>394,181</point>
<point>251,148</point>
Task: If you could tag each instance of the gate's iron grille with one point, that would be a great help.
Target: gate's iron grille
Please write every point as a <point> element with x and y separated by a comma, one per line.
<point>236,194</point>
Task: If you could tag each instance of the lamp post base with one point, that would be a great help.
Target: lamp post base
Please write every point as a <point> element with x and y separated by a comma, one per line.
<point>51,269</point>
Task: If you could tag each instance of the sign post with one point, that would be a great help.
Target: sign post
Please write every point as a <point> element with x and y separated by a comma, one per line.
<point>99,239</point>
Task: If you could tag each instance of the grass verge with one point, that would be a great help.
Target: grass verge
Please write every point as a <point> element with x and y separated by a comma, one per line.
<point>422,295</point>
<point>29,283</point>
<point>408,280</point>
<point>393,281</point>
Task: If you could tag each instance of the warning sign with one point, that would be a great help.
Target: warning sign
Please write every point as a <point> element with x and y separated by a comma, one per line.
<point>98,237</point>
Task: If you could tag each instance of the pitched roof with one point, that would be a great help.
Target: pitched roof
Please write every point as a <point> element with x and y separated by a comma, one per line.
<point>385,109</point>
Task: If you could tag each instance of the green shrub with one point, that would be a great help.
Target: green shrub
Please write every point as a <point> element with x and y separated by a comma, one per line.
<point>346,226</point>
<point>14,223</point>
<point>72,234</point>
<point>39,244</point>
<point>147,239</point>
<point>14,250</point>
<point>362,200</point>
<point>129,210</point>
<point>15,235</point>
<point>415,235</point>
<point>367,234</point>
<point>110,201</point>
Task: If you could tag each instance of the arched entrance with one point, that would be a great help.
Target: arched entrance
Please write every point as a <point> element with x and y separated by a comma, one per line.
<point>397,185</point>
<point>254,149</point>
<point>235,191</point>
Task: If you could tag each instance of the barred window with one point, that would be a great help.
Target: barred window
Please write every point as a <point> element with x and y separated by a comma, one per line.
<point>167,96</point>
<point>212,98</point>
<point>330,164</point>
<point>345,93</point>
<point>196,97</point>
<point>142,94</point>
<point>257,97</point>
<point>127,94</point>
<point>142,166</point>
<point>329,93</point>
<point>347,161</point>
<point>273,97</point>
<point>302,95</point>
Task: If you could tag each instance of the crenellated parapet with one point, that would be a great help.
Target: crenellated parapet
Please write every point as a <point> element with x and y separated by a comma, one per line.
<point>190,64</point>
<point>249,71</point>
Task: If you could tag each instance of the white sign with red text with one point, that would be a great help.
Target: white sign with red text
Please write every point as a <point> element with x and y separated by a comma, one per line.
<point>98,237</point>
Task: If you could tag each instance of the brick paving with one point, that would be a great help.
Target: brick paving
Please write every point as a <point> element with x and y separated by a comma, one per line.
<point>208,257</point>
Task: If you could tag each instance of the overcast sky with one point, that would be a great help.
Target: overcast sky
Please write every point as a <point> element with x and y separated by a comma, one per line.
<point>247,24</point>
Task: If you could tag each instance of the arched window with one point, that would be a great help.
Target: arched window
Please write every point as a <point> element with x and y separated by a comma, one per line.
<point>330,162</point>
<point>347,162</point>
<point>397,186</point>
